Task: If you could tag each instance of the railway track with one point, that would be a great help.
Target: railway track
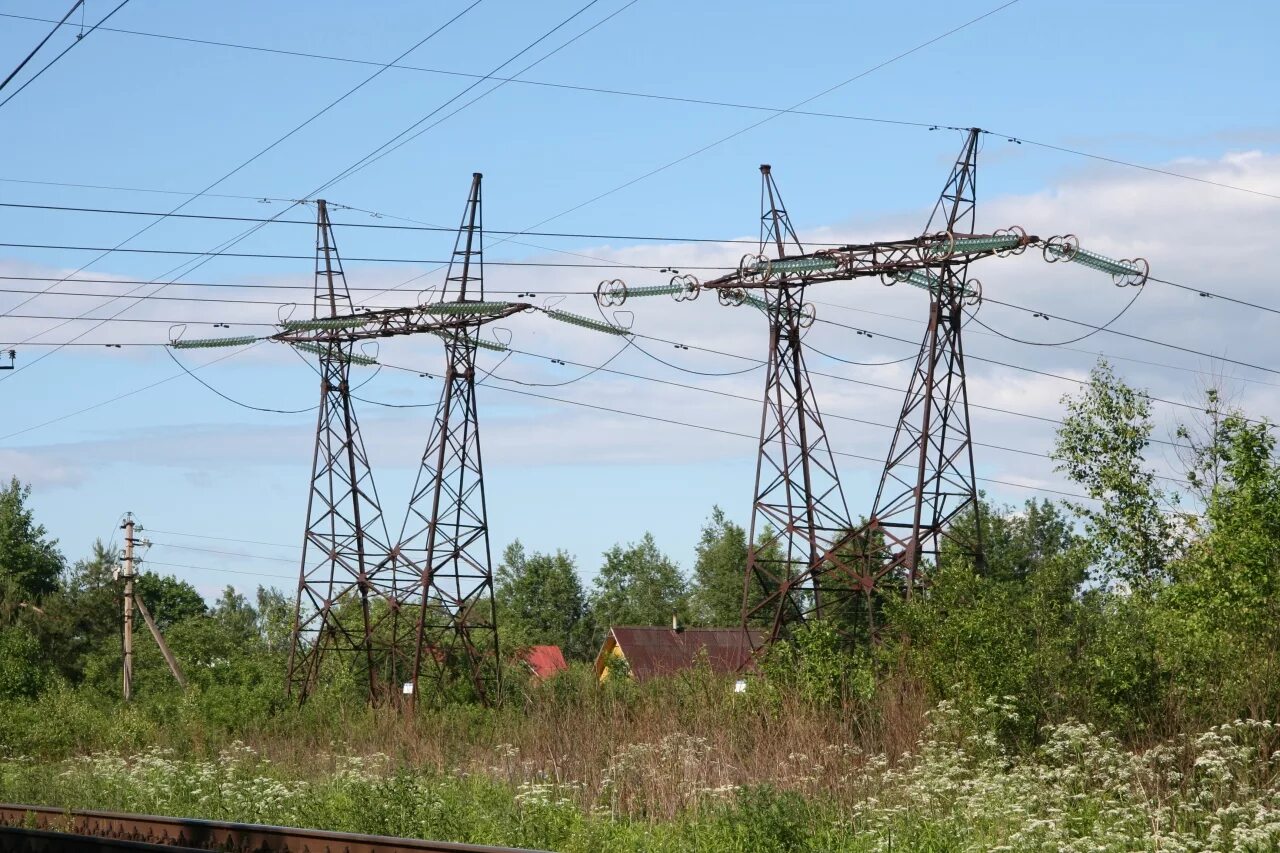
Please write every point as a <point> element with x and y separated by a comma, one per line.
<point>36,829</point>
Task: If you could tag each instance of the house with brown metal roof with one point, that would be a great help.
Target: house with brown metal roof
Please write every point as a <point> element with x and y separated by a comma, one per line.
<point>647,652</point>
<point>543,661</point>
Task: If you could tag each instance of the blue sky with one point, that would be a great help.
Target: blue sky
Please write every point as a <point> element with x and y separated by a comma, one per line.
<point>1162,84</point>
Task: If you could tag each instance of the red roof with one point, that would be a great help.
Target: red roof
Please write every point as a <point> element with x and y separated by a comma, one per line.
<point>544,660</point>
<point>662,651</point>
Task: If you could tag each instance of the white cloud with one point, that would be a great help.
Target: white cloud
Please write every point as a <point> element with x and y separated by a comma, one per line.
<point>1202,236</point>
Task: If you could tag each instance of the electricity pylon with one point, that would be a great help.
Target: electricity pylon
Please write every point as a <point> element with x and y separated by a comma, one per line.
<point>928,479</point>
<point>444,541</point>
<point>426,603</point>
<point>799,508</point>
<point>341,601</point>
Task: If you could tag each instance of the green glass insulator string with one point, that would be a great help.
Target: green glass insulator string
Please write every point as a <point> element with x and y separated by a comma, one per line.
<point>1093,260</point>
<point>323,323</point>
<point>655,290</point>
<point>966,245</point>
<point>352,358</point>
<point>795,265</point>
<point>209,343</point>
<point>584,322</point>
<point>466,308</point>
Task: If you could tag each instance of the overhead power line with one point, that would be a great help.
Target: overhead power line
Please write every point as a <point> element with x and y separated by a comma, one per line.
<point>775,114</point>
<point>268,256</point>
<point>40,44</point>
<point>223,553</point>
<point>294,546</point>
<point>653,96</point>
<point>383,226</point>
<point>240,167</point>
<point>150,562</point>
<point>79,38</point>
<point>722,431</point>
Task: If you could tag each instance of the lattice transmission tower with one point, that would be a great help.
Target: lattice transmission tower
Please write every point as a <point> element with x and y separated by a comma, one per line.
<point>426,600</point>
<point>799,507</point>
<point>341,599</point>
<point>828,567</point>
<point>444,541</point>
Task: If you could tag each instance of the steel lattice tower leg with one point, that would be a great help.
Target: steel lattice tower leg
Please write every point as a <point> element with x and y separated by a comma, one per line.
<point>928,480</point>
<point>341,599</point>
<point>799,509</point>
<point>445,538</point>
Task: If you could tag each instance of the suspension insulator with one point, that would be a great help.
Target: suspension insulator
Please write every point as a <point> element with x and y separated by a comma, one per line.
<point>351,358</point>
<point>465,308</point>
<point>803,265</point>
<point>970,291</point>
<point>1129,272</point>
<point>584,322</point>
<point>654,290</point>
<point>754,301</point>
<point>207,343</point>
<point>995,243</point>
<point>323,323</point>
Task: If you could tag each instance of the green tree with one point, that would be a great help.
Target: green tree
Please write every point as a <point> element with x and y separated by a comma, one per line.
<point>1219,628</point>
<point>275,619</point>
<point>1014,626</point>
<point>236,616</point>
<point>169,600</point>
<point>28,558</point>
<point>540,601</point>
<point>83,618</point>
<point>715,598</point>
<point>24,667</point>
<point>637,585</point>
<point>1100,446</point>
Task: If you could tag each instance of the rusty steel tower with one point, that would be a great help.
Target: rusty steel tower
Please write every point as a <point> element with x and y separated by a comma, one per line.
<point>799,508</point>
<point>419,611</point>
<point>928,480</point>
<point>812,562</point>
<point>341,600</point>
<point>443,549</point>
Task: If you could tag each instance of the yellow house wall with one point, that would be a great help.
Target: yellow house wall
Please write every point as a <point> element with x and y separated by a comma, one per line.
<point>615,652</point>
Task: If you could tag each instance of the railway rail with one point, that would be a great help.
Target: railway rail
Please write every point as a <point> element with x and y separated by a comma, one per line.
<point>35,829</point>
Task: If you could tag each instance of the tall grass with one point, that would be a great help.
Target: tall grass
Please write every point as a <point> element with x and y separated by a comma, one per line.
<point>957,788</point>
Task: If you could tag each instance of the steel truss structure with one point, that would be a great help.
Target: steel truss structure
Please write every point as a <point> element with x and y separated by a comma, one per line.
<point>799,507</point>
<point>341,600</point>
<point>829,568</point>
<point>445,538</point>
<point>422,609</point>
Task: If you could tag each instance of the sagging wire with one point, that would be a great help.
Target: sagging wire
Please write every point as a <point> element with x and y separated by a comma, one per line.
<point>169,352</point>
<point>972,315</point>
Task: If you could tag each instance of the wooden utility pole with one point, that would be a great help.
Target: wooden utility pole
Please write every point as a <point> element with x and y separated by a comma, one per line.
<point>130,601</point>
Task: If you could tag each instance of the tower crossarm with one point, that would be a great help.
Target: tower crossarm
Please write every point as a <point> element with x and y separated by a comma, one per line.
<point>894,259</point>
<point>435,318</point>
<point>918,261</point>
